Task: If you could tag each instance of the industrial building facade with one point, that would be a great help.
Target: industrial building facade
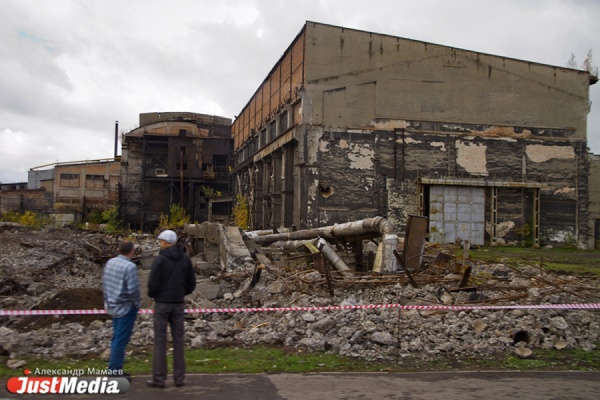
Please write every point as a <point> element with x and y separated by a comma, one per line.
<point>174,158</point>
<point>352,124</point>
<point>68,192</point>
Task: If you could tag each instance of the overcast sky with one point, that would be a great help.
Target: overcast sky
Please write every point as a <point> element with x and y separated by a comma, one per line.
<point>70,68</point>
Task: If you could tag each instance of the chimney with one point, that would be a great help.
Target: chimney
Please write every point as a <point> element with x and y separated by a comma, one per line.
<point>116,137</point>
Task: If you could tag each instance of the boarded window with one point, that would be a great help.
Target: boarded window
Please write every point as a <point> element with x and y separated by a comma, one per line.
<point>272,131</point>
<point>283,122</point>
<point>69,180</point>
<point>95,182</point>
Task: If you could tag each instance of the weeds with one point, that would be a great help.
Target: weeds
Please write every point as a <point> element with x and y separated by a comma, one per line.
<point>27,218</point>
<point>241,212</point>
<point>176,218</point>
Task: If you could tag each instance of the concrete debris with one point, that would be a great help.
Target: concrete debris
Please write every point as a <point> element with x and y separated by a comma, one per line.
<point>62,268</point>
<point>523,352</point>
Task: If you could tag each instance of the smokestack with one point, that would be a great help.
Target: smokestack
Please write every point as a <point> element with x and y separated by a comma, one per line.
<point>116,137</point>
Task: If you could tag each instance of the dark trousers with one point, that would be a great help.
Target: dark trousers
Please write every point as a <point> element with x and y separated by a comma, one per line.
<point>171,314</point>
<point>122,328</point>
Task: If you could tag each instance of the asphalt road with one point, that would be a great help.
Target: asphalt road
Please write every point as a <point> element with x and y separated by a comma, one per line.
<point>365,386</point>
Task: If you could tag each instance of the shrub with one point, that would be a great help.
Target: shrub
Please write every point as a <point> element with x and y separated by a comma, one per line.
<point>241,212</point>
<point>27,218</point>
<point>111,219</point>
<point>177,218</point>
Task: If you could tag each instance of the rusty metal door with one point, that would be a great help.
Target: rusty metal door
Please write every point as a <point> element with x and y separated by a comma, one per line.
<point>456,212</point>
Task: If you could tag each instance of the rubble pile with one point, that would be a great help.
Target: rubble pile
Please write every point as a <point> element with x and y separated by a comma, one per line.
<point>39,268</point>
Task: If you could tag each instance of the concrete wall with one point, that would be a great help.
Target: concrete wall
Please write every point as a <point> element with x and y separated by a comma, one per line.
<point>379,118</point>
<point>594,210</point>
<point>368,173</point>
<point>36,178</point>
<point>353,77</point>
<point>36,200</point>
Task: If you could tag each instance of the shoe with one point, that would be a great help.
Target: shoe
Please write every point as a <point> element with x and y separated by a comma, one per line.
<point>154,384</point>
<point>180,384</point>
<point>126,376</point>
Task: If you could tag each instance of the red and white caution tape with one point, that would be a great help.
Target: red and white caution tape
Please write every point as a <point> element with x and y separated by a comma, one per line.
<point>575,306</point>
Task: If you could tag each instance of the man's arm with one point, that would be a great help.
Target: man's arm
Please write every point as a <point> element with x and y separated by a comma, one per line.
<point>190,281</point>
<point>134,286</point>
<point>154,280</point>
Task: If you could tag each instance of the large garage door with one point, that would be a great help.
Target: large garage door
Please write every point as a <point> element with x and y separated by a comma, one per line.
<point>456,212</point>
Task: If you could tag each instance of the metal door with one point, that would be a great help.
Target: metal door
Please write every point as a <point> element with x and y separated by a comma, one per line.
<point>456,212</point>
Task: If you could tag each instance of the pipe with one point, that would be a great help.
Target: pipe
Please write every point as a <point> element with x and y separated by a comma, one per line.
<point>356,228</point>
<point>116,138</point>
<point>292,244</point>
<point>333,257</point>
<point>386,261</point>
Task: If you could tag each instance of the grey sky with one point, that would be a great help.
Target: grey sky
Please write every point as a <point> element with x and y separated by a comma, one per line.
<point>71,68</point>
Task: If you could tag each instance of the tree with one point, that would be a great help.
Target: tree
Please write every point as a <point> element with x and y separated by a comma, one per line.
<point>572,63</point>
<point>588,63</point>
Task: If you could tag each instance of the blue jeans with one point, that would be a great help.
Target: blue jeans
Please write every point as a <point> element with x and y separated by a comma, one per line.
<point>122,328</point>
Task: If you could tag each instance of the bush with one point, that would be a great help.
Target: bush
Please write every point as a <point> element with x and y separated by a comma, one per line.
<point>241,214</point>
<point>27,218</point>
<point>177,218</point>
<point>111,219</point>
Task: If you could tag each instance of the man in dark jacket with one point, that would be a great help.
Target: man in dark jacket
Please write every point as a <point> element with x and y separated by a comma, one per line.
<point>172,278</point>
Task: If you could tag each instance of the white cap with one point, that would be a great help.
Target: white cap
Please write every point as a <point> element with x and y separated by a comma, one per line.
<point>168,236</point>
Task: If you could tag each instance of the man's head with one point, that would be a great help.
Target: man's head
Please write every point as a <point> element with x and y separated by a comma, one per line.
<point>167,238</point>
<point>126,248</point>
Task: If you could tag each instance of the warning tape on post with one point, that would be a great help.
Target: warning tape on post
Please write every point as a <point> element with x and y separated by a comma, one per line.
<point>574,306</point>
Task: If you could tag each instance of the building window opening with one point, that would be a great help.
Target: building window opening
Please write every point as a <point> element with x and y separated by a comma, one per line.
<point>69,180</point>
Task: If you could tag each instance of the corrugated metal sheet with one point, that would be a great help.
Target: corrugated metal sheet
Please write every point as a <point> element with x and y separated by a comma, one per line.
<point>456,212</point>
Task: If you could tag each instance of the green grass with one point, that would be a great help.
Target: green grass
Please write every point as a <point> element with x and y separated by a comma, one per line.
<point>559,260</point>
<point>572,360</point>
<point>265,359</point>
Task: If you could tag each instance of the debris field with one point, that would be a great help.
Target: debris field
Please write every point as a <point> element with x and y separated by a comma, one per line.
<point>61,268</point>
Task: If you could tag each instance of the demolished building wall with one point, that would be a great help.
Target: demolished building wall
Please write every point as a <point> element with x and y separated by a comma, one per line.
<point>594,204</point>
<point>384,124</point>
<point>174,158</point>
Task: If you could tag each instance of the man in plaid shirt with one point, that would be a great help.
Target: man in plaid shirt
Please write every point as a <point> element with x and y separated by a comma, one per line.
<point>122,302</point>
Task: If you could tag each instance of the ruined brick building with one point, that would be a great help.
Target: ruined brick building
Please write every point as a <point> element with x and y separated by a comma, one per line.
<point>351,124</point>
<point>174,158</point>
<point>70,192</point>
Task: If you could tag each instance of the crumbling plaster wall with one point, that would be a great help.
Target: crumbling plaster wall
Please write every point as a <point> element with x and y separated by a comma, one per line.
<point>357,172</point>
<point>594,203</point>
<point>367,103</point>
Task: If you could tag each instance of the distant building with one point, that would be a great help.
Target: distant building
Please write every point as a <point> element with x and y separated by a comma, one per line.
<point>175,158</point>
<point>13,186</point>
<point>15,197</point>
<point>77,188</point>
<point>351,124</point>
